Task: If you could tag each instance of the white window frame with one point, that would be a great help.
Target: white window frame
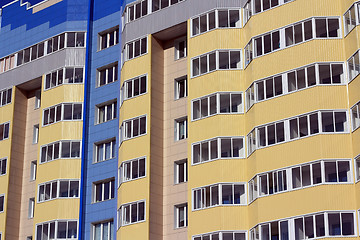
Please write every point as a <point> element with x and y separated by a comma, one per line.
<point>122,213</point>
<point>36,128</point>
<point>31,208</point>
<point>8,92</point>
<point>57,182</point>
<point>61,142</point>
<point>177,48</point>
<point>114,67</point>
<point>177,217</point>
<point>112,189</point>
<point>177,87</point>
<point>219,234</point>
<point>124,88</point>
<point>113,145</point>
<point>109,222</point>
<point>2,161</point>
<point>122,169</point>
<point>123,128</point>
<point>178,124</point>
<point>3,206</point>
<point>114,107</point>
<point>62,107</point>
<point>33,170</point>
<point>107,33</point>
<point>177,165</point>
<point>56,223</point>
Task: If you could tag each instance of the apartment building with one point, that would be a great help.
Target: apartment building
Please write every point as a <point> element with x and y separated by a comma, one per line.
<point>179,119</point>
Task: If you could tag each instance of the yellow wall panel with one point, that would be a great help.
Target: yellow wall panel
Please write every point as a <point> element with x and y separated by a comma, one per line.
<point>134,231</point>
<point>135,107</point>
<point>63,93</point>
<point>59,169</point>
<point>354,91</point>
<point>298,202</point>
<point>63,130</point>
<point>57,209</point>
<point>356,141</point>
<point>134,191</point>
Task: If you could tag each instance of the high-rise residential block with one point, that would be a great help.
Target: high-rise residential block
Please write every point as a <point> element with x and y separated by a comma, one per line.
<point>179,119</point>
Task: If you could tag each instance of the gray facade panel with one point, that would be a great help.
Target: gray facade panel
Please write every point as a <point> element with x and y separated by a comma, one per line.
<point>38,67</point>
<point>173,15</point>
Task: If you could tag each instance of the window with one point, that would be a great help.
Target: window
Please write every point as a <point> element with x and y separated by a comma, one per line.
<point>68,75</point>
<point>58,189</point>
<point>144,7</point>
<point>103,230</point>
<point>217,103</point>
<point>180,46</point>
<point>3,163</point>
<point>59,229</point>
<point>2,203</point>
<point>216,148</point>
<point>330,121</point>
<point>104,190</point>
<point>350,18</point>
<point>133,128</point>
<point>54,44</point>
<point>61,149</point>
<point>307,227</point>
<point>180,87</point>
<point>7,63</point>
<point>137,10</point>
<point>181,174</point>
<point>355,116</point>
<point>105,150</point>
<point>301,176</point>
<point>216,60</point>
<point>132,169</point>
<point>357,168</point>
<point>263,5</point>
<point>107,74</point>
<point>313,28</point>
<point>37,99</point>
<point>131,213</point>
<point>35,134</point>
<point>180,129</point>
<point>160,4</point>
<point>354,65</point>
<point>295,80</point>
<point>4,131</point>
<point>135,49</point>
<point>5,97</point>
<point>134,87</point>
<point>33,167</point>
<point>225,235</point>
<point>27,238</point>
<point>181,215</point>
<point>219,18</point>
<point>62,112</point>
<point>109,38</point>
<point>31,208</point>
<point>106,111</point>
<point>219,194</point>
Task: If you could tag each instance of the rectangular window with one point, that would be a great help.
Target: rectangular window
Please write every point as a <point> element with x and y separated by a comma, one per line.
<point>225,235</point>
<point>105,150</point>
<point>216,148</point>
<point>106,111</point>
<point>2,203</point>
<point>31,208</point>
<point>180,46</point>
<point>131,213</point>
<point>180,87</point>
<point>33,168</point>
<point>135,49</point>
<point>103,230</point>
<point>302,126</point>
<point>354,65</point>
<point>181,174</point>
<point>181,215</point>
<point>4,131</point>
<point>60,149</point>
<point>108,38</point>
<point>350,18</point>
<point>35,134</point>
<point>5,97</point>
<point>62,112</point>
<point>58,189</point>
<point>219,194</point>
<point>104,190</point>
<point>305,175</point>
<point>134,87</point>
<point>357,168</point>
<point>59,229</point>
<point>181,129</point>
<point>355,116</point>
<point>68,75</point>
<point>219,18</point>
<point>37,103</point>
<point>136,11</point>
<point>216,60</point>
<point>3,165</point>
<point>217,103</point>
<point>133,128</point>
<point>107,74</point>
<point>132,169</point>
